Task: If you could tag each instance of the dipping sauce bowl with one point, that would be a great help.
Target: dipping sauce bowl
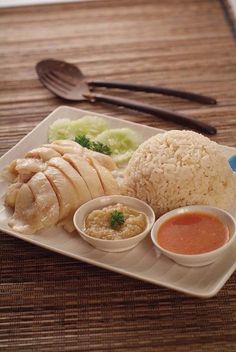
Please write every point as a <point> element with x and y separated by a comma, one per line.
<point>224,219</point>
<point>113,245</point>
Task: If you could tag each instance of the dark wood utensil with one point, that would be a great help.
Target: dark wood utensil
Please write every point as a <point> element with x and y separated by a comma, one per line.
<point>67,81</point>
<point>199,98</point>
<point>139,87</point>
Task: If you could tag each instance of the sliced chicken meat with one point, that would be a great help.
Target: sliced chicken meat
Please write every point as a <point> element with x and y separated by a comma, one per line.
<point>25,218</point>
<point>71,147</point>
<point>43,153</point>
<point>52,181</point>
<point>88,173</point>
<point>109,183</point>
<point>11,194</point>
<point>83,194</point>
<point>104,160</point>
<point>68,223</point>
<point>67,143</point>
<point>9,173</point>
<point>65,191</point>
<point>64,149</point>
<point>23,169</point>
<point>45,198</point>
<point>26,168</point>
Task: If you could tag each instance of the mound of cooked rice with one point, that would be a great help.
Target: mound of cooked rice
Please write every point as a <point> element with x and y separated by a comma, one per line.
<point>179,168</point>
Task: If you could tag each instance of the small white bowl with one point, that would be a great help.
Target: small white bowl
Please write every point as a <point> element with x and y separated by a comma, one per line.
<point>113,245</point>
<point>195,260</point>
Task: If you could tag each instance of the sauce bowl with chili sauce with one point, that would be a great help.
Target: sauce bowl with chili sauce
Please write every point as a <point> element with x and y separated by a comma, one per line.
<point>194,235</point>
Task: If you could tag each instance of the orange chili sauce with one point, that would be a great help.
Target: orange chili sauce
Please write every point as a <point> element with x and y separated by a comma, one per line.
<point>193,233</point>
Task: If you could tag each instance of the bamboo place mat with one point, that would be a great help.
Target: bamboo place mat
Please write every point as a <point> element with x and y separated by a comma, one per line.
<point>52,303</point>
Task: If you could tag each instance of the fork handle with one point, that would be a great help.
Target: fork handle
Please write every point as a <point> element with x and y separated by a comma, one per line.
<point>154,89</point>
<point>155,111</point>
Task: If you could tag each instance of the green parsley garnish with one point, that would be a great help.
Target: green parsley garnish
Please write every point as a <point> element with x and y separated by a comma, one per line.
<point>95,146</point>
<point>83,140</point>
<point>117,219</point>
<point>101,148</point>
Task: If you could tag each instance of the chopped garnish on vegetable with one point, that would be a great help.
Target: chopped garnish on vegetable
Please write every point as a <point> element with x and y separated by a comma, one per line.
<point>93,132</point>
<point>95,146</point>
<point>117,219</point>
<point>83,140</point>
<point>101,148</point>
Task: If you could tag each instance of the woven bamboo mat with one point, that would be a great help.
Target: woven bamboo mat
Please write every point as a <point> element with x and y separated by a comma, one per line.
<point>52,303</point>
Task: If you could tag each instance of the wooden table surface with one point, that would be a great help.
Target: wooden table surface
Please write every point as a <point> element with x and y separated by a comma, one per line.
<point>52,303</point>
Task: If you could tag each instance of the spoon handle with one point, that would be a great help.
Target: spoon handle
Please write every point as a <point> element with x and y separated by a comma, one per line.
<point>154,89</point>
<point>155,111</point>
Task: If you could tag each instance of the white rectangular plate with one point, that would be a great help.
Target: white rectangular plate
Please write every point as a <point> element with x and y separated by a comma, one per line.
<point>142,262</point>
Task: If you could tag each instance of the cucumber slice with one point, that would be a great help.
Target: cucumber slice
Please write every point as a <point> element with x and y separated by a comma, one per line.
<point>122,141</point>
<point>123,158</point>
<point>90,126</point>
<point>60,129</point>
